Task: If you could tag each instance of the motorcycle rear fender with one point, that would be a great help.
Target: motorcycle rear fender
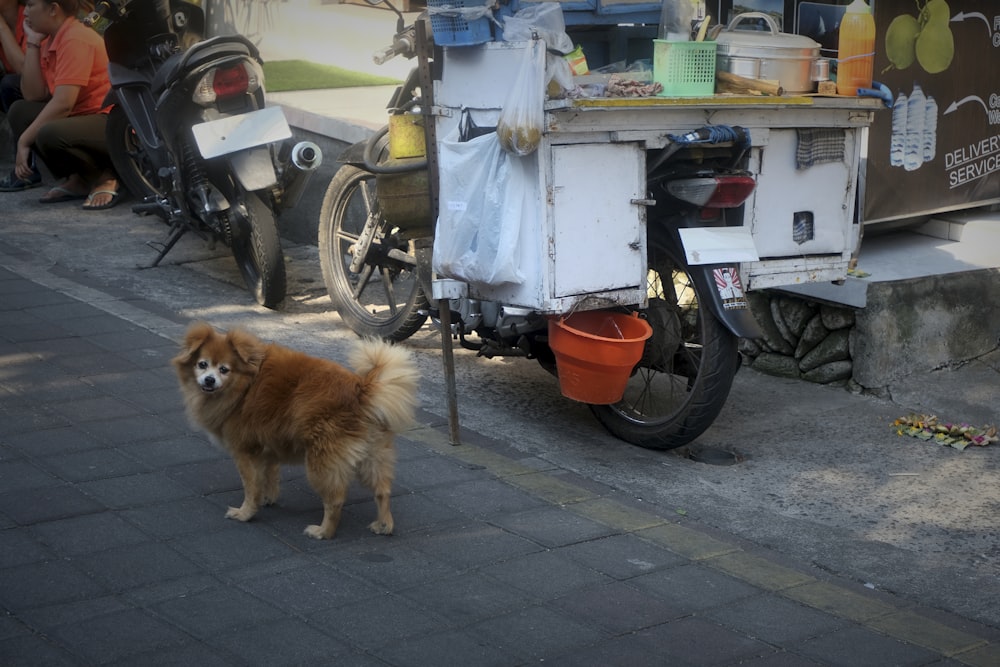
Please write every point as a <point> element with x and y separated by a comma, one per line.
<point>722,287</point>
<point>354,154</point>
<point>253,168</point>
<point>139,107</point>
<point>726,298</point>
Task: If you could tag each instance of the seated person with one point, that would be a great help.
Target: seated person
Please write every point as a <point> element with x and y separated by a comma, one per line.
<point>62,117</point>
<point>12,47</point>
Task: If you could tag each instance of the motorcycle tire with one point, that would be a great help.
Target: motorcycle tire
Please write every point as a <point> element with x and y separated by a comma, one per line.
<point>256,247</point>
<point>384,300</point>
<point>128,156</point>
<point>687,368</point>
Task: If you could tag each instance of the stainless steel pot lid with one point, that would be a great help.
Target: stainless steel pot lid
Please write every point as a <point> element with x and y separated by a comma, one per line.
<point>763,43</point>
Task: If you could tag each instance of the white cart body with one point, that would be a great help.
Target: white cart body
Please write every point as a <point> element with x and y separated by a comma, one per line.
<point>585,245</point>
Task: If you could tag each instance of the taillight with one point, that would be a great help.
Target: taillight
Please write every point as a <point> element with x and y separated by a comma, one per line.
<point>713,191</point>
<point>244,77</point>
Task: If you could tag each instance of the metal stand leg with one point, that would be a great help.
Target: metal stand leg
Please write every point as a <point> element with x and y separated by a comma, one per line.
<point>175,235</point>
<point>444,306</point>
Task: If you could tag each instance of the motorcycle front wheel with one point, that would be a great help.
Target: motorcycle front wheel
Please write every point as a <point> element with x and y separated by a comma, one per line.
<point>687,368</point>
<point>383,299</point>
<point>256,248</point>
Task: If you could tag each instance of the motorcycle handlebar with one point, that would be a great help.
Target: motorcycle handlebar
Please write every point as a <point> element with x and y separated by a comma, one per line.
<point>384,55</point>
<point>403,44</point>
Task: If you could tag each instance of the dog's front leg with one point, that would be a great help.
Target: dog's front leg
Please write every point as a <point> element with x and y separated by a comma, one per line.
<point>252,475</point>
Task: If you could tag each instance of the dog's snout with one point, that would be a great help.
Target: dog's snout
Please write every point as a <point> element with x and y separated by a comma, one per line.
<point>209,380</point>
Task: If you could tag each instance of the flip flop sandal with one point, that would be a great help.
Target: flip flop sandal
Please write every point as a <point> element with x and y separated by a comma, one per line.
<point>63,195</point>
<point>115,196</point>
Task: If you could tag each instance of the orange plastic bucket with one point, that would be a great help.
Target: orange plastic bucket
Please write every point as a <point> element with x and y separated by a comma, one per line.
<point>596,351</point>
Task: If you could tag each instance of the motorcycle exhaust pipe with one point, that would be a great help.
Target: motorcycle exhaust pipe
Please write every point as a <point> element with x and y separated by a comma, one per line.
<point>304,159</point>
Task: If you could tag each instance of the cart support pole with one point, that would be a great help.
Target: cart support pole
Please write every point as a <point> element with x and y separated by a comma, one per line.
<point>425,50</point>
<point>444,306</point>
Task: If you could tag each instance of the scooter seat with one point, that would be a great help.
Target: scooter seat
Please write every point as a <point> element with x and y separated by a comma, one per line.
<point>177,65</point>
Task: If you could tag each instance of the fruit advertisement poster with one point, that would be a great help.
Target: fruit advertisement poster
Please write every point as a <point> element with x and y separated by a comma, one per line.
<point>938,149</point>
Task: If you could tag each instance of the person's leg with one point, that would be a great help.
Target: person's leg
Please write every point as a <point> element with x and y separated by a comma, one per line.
<point>91,140</point>
<point>74,145</point>
<point>75,148</point>
<point>10,91</point>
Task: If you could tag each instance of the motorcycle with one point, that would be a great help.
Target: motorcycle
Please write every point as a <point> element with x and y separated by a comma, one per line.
<point>190,135</point>
<point>376,240</point>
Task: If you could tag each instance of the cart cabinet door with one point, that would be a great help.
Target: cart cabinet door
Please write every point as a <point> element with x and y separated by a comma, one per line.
<point>800,210</point>
<point>599,232</point>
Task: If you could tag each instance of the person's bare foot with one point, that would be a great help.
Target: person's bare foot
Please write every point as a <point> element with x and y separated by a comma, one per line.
<point>70,189</point>
<point>103,195</point>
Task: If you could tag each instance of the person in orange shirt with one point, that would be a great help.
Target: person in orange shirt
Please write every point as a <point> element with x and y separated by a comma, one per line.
<point>12,47</point>
<point>62,117</point>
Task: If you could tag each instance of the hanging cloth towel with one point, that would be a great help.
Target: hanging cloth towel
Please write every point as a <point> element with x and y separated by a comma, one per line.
<point>819,145</point>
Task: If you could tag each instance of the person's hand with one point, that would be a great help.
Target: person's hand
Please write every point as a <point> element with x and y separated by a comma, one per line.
<point>22,163</point>
<point>32,35</point>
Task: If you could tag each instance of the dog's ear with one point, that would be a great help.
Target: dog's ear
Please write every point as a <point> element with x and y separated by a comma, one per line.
<point>196,336</point>
<point>248,347</point>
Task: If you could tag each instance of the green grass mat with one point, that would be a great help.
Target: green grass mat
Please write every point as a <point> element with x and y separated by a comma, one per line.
<point>283,75</point>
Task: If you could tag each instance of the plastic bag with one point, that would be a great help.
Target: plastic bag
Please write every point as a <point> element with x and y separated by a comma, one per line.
<point>482,191</point>
<point>544,21</point>
<point>522,118</point>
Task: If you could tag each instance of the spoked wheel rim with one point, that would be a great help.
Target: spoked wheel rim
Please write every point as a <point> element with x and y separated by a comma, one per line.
<point>383,296</point>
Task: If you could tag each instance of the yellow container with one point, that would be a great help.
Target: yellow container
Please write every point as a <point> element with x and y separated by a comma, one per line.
<point>856,49</point>
<point>577,61</point>
<point>406,136</point>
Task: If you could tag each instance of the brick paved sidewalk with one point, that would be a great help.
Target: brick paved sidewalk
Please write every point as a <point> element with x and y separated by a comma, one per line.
<point>114,548</point>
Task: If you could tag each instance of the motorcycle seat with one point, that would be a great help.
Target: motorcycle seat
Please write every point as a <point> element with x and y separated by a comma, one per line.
<point>179,64</point>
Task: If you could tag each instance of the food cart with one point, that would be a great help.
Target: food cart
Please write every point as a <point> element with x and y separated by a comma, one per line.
<point>569,243</point>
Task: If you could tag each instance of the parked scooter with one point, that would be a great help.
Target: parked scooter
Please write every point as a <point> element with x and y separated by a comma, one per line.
<point>191,138</point>
<point>376,239</point>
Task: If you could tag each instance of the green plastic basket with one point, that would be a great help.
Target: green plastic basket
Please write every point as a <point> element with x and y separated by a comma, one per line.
<point>684,69</point>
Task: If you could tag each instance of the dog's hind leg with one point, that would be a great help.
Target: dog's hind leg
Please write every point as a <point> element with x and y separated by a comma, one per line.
<point>253,475</point>
<point>331,485</point>
<point>377,473</point>
<point>272,484</point>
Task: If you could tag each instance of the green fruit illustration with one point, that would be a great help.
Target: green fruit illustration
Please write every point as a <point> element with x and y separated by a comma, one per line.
<point>900,41</point>
<point>935,47</point>
<point>935,10</point>
<point>926,39</point>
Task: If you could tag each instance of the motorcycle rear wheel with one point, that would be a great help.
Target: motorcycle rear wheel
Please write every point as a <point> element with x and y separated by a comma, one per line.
<point>383,300</point>
<point>127,154</point>
<point>256,247</point>
<point>687,369</point>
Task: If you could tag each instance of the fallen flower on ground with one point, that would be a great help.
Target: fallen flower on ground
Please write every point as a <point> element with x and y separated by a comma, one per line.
<point>959,436</point>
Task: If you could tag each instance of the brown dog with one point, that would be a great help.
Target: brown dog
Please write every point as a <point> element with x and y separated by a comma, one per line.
<point>268,405</point>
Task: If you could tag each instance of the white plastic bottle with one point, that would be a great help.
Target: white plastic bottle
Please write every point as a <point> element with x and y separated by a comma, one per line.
<point>897,141</point>
<point>930,128</point>
<point>913,155</point>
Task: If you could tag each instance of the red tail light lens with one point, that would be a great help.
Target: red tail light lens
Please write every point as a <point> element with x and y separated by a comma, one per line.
<point>714,191</point>
<point>231,81</point>
<point>218,83</point>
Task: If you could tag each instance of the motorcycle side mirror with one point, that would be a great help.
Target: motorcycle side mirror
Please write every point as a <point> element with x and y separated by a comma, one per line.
<point>400,20</point>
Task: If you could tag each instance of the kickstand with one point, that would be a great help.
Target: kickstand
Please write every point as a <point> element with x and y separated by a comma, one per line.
<point>176,232</point>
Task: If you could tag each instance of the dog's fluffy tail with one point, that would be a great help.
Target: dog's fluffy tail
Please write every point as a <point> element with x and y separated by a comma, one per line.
<point>390,377</point>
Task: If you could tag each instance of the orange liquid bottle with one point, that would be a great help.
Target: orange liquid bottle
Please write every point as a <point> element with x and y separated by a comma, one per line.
<point>856,49</point>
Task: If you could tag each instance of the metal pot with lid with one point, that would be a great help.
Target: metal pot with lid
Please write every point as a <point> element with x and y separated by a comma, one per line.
<point>767,54</point>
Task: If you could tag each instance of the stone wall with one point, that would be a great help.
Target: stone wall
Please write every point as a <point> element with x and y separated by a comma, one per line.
<point>802,339</point>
